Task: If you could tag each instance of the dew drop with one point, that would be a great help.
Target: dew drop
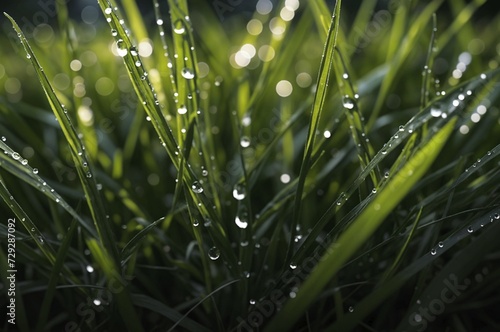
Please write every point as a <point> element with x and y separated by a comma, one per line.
<point>24,162</point>
<point>108,11</point>
<point>433,251</point>
<point>182,109</point>
<point>196,223</point>
<point>345,76</point>
<point>436,111</point>
<point>97,302</point>
<point>159,21</point>
<point>470,229</point>
<point>4,139</point>
<point>245,142</point>
<point>196,187</point>
<point>138,63</point>
<point>187,73</point>
<point>293,266</point>
<point>90,269</point>
<point>179,27</point>
<point>241,222</point>
<point>35,170</point>
<point>16,156</point>
<point>28,56</point>
<point>252,301</point>
<point>401,128</point>
<point>496,216</point>
<point>214,253</point>
<point>348,102</point>
<point>114,33</point>
<point>440,244</point>
<point>351,309</point>
<point>239,192</point>
<point>121,48</point>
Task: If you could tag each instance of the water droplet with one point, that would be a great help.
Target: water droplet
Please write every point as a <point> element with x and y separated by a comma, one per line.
<point>374,191</point>
<point>134,51</point>
<point>42,241</point>
<point>4,139</point>
<point>214,253</point>
<point>483,76</point>
<point>89,175</point>
<point>433,251</point>
<point>16,156</point>
<point>351,309</point>
<point>386,175</point>
<point>241,222</point>
<point>436,110</point>
<point>182,109</point>
<point>196,222</point>
<point>470,229</point>
<point>245,142</point>
<point>196,187</point>
<point>90,269</point>
<point>121,48</point>
<point>348,102</point>
<point>138,63</point>
<point>204,172</point>
<point>345,76</point>
<point>28,56</point>
<point>293,266</point>
<point>24,162</point>
<point>97,302</point>
<point>187,73</point>
<point>114,33</point>
<point>108,11</point>
<point>179,27</point>
<point>252,301</point>
<point>440,244</point>
<point>496,216</point>
<point>159,21</point>
<point>401,128</point>
<point>239,192</point>
<point>35,170</point>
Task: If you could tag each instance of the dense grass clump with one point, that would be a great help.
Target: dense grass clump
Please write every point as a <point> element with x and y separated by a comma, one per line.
<point>286,169</point>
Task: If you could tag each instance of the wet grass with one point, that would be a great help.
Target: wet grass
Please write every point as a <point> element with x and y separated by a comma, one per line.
<point>322,172</point>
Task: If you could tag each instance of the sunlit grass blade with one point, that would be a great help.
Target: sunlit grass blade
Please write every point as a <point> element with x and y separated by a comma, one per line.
<point>364,225</point>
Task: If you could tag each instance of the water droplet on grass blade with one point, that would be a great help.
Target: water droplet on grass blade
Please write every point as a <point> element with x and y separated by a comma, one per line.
<point>121,48</point>
<point>108,11</point>
<point>214,253</point>
<point>293,266</point>
<point>433,251</point>
<point>348,102</point>
<point>35,170</point>
<point>179,27</point>
<point>241,222</point>
<point>182,109</point>
<point>187,73</point>
<point>245,142</point>
<point>470,229</point>
<point>196,187</point>
<point>16,156</point>
<point>436,110</point>
<point>239,192</point>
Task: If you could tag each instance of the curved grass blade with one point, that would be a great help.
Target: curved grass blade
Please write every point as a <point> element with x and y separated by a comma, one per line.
<point>83,166</point>
<point>360,230</point>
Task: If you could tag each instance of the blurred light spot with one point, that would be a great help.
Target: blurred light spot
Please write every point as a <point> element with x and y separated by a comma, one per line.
<point>284,88</point>
<point>145,48</point>
<point>88,58</point>
<point>285,178</point>
<point>28,152</point>
<point>475,117</point>
<point>292,4</point>
<point>104,86</point>
<point>61,81</point>
<point>12,85</point>
<point>303,80</point>
<point>242,59</point>
<point>43,33</point>
<point>90,14</point>
<point>203,69</point>
<point>75,65</point>
<point>465,58</point>
<point>153,179</point>
<point>264,7</point>
<point>464,129</point>
<point>287,14</point>
<point>327,134</point>
<point>249,49</point>
<point>461,66</point>
<point>79,90</point>
<point>277,26</point>
<point>266,53</point>
<point>246,121</point>
<point>457,74</point>
<point>481,109</point>
<point>476,46</point>
<point>254,27</point>
<point>86,115</point>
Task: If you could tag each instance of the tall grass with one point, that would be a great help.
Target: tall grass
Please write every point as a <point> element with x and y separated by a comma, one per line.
<point>308,168</point>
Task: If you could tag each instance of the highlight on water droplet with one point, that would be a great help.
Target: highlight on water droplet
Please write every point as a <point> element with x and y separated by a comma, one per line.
<point>348,102</point>
<point>35,170</point>
<point>241,222</point>
<point>436,110</point>
<point>182,110</point>
<point>196,187</point>
<point>214,253</point>
<point>89,269</point>
<point>293,266</point>
<point>239,192</point>
<point>470,229</point>
<point>433,251</point>
<point>179,27</point>
<point>121,48</point>
<point>245,141</point>
<point>187,73</point>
